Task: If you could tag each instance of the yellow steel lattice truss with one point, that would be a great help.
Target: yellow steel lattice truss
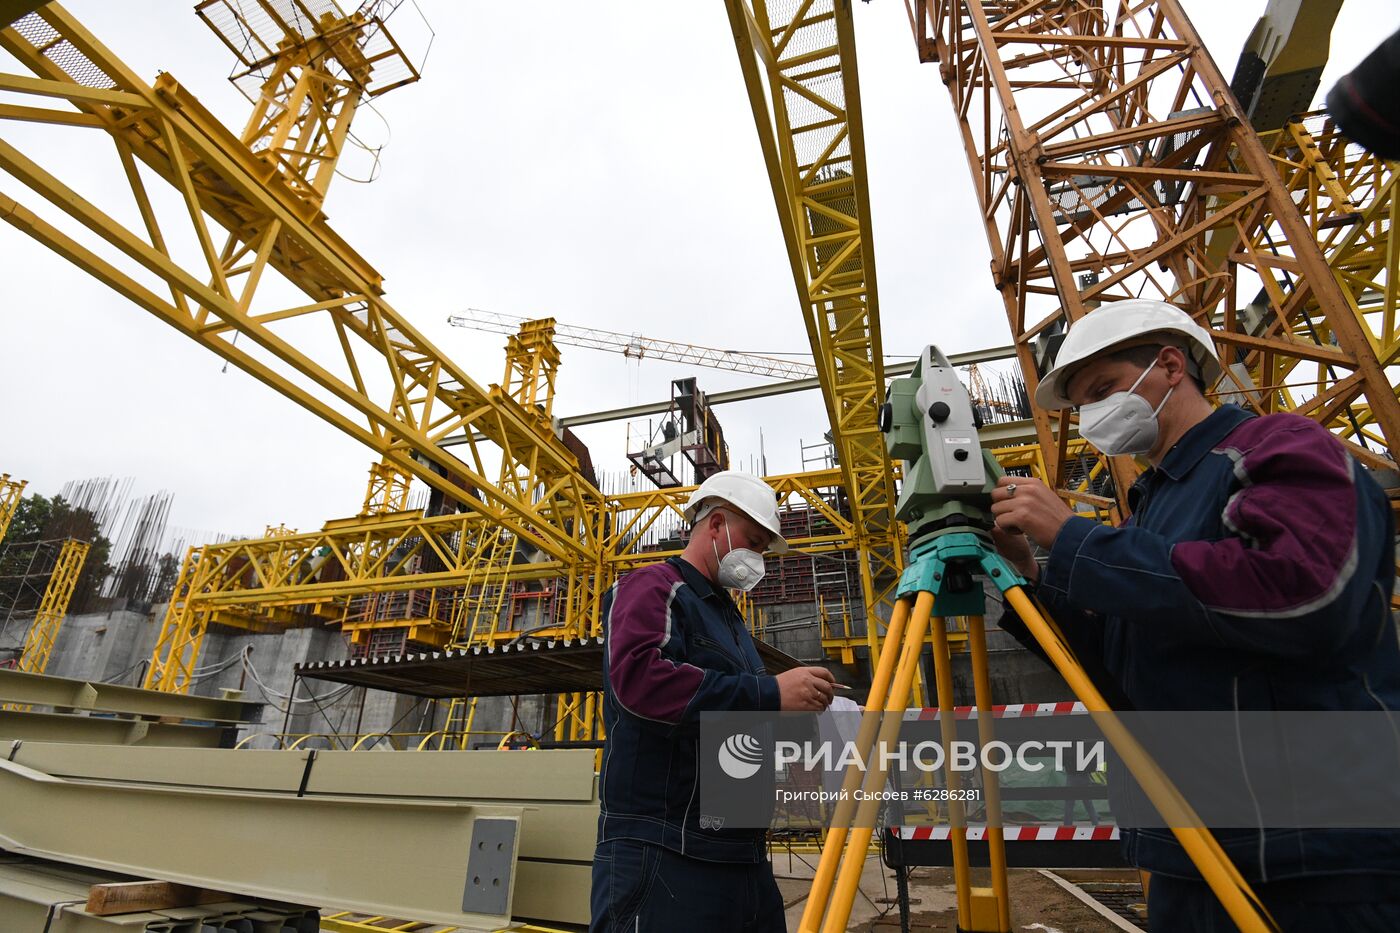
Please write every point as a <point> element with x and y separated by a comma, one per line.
<point>799,64</point>
<point>1110,161</point>
<point>43,632</point>
<point>10,492</point>
<point>387,490</point>
<point>1347,197</point>
<point>368,372</point>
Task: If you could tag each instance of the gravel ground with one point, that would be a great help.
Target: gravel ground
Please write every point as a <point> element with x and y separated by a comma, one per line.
<point>1038,904</point>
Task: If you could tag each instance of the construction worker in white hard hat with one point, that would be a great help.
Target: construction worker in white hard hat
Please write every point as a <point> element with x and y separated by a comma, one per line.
<point>676,646</point>
<point>1254,574</point>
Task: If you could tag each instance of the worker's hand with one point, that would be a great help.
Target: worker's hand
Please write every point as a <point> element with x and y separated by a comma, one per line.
<point>1032,509</point>
<point>806,689</point>
<point>1017,551</point>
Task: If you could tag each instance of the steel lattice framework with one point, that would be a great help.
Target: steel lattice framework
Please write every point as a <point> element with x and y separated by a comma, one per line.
<point>43,631</point>
<point>387,490</point>
<point>346,355</point>
<point>238,582</point>
<point>10,492</point>
<point>799,64</point>
<point>1111,161</point>
<point>1347,197</point>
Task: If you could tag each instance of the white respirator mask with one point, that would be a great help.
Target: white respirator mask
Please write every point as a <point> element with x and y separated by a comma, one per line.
<point>740,568</point>
<point>1123,423</point>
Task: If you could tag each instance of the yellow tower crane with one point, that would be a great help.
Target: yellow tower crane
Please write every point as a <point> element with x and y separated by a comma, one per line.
<point>636,346</point>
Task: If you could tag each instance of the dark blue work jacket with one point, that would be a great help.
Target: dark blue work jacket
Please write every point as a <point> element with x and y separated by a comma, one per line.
<point>675,646</point>
<point>1255,574</point>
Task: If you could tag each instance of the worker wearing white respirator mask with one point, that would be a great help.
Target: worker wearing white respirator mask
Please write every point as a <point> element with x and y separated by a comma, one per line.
<point>677,646</point>
<point>1254,574</point>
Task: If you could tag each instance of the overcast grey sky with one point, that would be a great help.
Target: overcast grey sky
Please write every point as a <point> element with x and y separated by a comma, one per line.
<point>595,162</point>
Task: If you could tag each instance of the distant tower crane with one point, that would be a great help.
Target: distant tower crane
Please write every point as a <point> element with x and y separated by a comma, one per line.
<point>637,346</point>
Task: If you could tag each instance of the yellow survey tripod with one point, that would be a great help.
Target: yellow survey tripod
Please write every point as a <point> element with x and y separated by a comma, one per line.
<point>927,419</point>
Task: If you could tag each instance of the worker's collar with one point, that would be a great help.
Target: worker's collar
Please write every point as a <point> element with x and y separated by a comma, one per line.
<point>1201,439</point>
<point>697,580</point>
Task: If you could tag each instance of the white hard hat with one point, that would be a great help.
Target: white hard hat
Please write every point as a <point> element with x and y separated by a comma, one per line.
<point>745,492</point>
<point>1116,323</point>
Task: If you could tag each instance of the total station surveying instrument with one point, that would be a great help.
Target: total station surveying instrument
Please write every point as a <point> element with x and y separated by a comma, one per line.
<point>929,423</point>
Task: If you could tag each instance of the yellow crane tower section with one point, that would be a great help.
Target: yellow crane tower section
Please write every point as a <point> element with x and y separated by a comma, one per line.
<point>799,66</point>
<point>10,492</point>
<point>43,632</point>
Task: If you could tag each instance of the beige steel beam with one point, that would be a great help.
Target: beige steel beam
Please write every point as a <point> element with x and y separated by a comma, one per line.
<point>108,730</point>
<point>386,834</point>
<point>68,694</point>
<point>37,895</point>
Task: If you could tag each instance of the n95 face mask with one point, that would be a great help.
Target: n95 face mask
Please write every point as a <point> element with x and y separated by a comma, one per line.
<point>740,568</point>
<point>1123,423</point>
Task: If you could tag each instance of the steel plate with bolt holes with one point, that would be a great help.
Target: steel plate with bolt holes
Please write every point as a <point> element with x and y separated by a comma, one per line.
<point>489,866</point>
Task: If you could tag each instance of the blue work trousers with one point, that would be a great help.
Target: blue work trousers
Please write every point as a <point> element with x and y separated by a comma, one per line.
<point>1320,904</point>
<point>639,887</point>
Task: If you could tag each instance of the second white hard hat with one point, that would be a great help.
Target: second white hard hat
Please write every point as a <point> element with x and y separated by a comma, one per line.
<point>744,492</point>
<point>1118,322</point>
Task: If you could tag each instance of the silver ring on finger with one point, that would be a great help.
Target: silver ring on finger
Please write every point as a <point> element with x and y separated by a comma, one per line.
<point>1010,490</point>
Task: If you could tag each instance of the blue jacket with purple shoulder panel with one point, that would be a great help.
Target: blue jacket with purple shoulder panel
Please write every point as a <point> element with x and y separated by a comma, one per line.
<point>1255,574</point>
<point>675,646</point>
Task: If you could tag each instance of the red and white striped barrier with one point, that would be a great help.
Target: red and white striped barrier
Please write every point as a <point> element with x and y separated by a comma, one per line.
<point>1007,711</point>
<point>1015,833</point>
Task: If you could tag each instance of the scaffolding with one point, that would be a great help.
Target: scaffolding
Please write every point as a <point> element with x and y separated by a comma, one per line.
<point>43,631</point>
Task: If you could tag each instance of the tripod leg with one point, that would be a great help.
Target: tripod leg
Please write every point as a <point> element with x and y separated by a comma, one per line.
<point>996,842</point>
<point>836,836</point>
<point>1225,881</point>
<point>848,879</point>
<point>957,815</point>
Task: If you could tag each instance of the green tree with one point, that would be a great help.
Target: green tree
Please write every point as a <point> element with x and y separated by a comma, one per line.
<point>31,545</point>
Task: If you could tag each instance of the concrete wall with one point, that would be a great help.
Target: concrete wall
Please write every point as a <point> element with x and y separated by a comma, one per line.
<point>115,646</point>
<point>106,646</point>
